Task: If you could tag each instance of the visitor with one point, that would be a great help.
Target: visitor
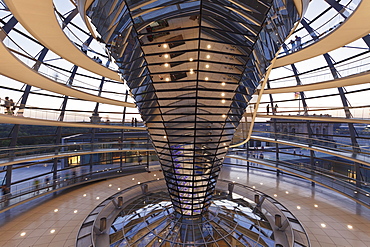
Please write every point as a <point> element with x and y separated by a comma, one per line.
<point>12,107</point>
<point>36,184</point>
<point>84,47</point>
<point>7,105</point>
<point>292,43</point>
<point>268,109</point>
<point>47,182</point>
<point>298,42</point>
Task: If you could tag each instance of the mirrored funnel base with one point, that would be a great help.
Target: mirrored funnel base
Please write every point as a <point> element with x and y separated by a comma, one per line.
<point>237,216</point>
<point>152,221</point>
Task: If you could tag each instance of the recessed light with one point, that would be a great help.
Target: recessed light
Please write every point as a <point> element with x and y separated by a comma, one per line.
<point>56,210</point>
<point>166,56</point>
<point>165,46</point>
<point>253,187</point>
<point>222,94</point>
<point>52,230</point>
<point>323,225</point>
<point>167,79</point>
<point>84,195</point>
<point>286,192</point>
<point>23,234</point>
<point>155,175</point>
<point>261,183</point>
<point>316,206</point>
<point>75,211</point>
<point>138,182</point>
<point>275,195</point>
<point>298,207</point>
<point>223,83</point>
<point>223,116</point>
<point>209,46</point>
<point>110,185</point>
<point>166,65</point>
<point>133,178</point>
<point>206,78</point>
<point>349,226</point>
<point>165,137</point>
<point>119,189</point>
<point>208,56</point>
<point>207,66</point>
<point>237,177</point>
<point>191,60</point>
<point>97,198</point>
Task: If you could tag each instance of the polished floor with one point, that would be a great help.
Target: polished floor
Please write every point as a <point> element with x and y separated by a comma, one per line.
<point>329,218</point>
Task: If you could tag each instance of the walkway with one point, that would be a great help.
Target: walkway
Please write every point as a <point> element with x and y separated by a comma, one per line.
<point>359,158</point>
<point>356,26</point>
<point>41,22</point>
<point>84,149</point>
<point>8,119</point>
<point>14,68</point>
<point>329,218</point>
<point>314,118</point>
<point>356,79</point>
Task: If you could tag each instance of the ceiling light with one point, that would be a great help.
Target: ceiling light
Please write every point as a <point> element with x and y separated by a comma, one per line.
<point>349,226</point>
<point>165,46</point>
<point>208,56</point>
<point>223,101</point>
<point>166,56</point>
<point>223,83</point>
<point>298,207</point>
<point>110,185</point>
<point>223,116</point>
<point>191,60</point>
<point>167,79</point>
<point>133,178</point>
<point>52,230</point>
<point>206,78</point>
<point>316,206</point>
<point>56,210</point>
<point>209,46</point>
<point>207,66</point>
<point>75,211</point>
<point>23,234</point>
<point>323,225</point>
<point>275,195</point>
<point>97,198</point>
<point>166,65</point>
<point>286,192</point>
<point>119,189</point>
<point>84,195</point>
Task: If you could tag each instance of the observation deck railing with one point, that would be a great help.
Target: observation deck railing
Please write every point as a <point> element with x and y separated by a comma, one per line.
<point>344,185</point>
<point>39,152</point>
<point>356,65</point>
<point>25,190</point>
